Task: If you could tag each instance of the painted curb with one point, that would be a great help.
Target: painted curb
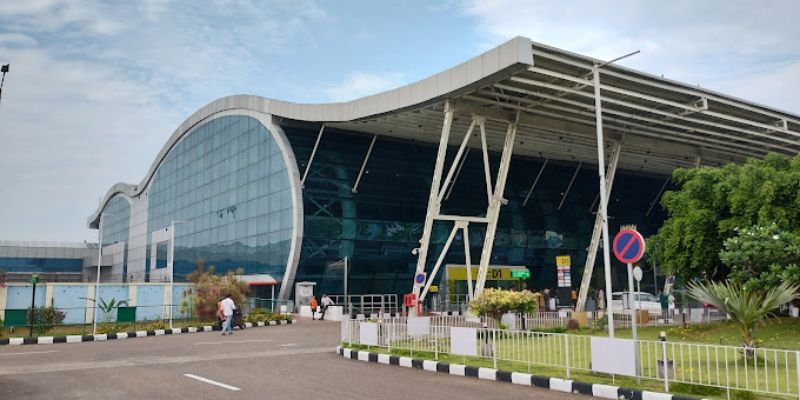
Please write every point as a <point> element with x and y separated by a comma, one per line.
<point>517,378</point>
<point>124,335</point>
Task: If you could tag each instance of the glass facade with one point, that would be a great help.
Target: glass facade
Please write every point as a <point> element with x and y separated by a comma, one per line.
<point>116,221</point>
<point>378,227</point>
<point>228,185</point>
<point>40,265</point>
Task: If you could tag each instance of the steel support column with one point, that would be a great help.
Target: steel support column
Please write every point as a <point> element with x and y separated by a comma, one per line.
<point>496,200</point>
<point>311,158</point>
<point>364,164</point>
<point>602,210</point>
<point>535,181</point>
<point>569,186</point>
<point>588,268</point>
<point>433,198</point>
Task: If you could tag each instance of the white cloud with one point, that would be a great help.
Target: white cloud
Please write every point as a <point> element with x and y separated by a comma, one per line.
<point>95,88</point>
<point>715,44</point>
<point>360,84</point>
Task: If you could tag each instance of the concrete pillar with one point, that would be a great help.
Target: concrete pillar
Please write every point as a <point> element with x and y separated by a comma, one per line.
<point>90,304</point>
<point>48,294</point>
<point>3,298</point>
<point>132,292</point>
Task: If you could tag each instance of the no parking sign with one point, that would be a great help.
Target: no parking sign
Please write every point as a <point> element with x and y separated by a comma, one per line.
<point>628,246</point>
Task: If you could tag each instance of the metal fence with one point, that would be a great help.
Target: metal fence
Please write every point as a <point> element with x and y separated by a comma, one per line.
<point>367,303</point>
<point>80,320</point>
<point>758,370</point>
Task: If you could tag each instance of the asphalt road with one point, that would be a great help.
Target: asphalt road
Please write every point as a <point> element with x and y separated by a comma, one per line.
<point>279,362</point>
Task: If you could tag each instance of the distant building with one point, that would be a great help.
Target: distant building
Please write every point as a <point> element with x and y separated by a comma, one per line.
<point>52,261</point>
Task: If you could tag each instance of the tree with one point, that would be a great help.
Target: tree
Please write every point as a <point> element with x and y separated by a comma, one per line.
<point>747,308</point>
<point>762,257</point>
<point>711,202</point>
<point>494,303</point>
<point>208,287</point>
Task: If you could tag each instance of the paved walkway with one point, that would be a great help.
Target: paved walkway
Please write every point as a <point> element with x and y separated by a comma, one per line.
<point>279,362</point>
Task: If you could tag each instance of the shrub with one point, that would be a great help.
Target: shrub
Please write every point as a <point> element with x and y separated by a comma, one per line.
<point>573,325</point>
<point>258,315</point>
<point>110,327</point>
<point>155,325</point>
<point>496,302</point>
<point>45,318</point>
<point>209,287</point>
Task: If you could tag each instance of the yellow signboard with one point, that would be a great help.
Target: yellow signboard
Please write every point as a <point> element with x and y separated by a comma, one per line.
<point>493,274</point>
<point>563,261</point>
<point>434,289</point>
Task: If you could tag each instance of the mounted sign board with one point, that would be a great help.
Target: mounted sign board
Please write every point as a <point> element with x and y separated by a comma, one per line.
<point>613,356</point>
<point>637,273</point>
<point>628,246</point>
<point>457,272</point>
<point>464,341</point>
<point>418,326</point>
<point>520,274</point>
<point>419,279</point>
<point>368,333</point>
<point>563,261</point>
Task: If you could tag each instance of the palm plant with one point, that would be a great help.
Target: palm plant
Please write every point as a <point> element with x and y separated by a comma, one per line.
<point>747,308</point>
<point>109,307</point>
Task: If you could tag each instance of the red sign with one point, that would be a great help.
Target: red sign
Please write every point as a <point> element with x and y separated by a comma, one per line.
<point>628,246</point>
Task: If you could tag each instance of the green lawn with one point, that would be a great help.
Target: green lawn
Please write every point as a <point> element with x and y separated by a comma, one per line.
<point>700,369</point>
<point>777,333</point>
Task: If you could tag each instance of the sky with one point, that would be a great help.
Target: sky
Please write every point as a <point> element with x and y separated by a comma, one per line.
<point>96,87</point>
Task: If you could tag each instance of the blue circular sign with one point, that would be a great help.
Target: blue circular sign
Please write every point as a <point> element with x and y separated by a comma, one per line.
<point>419,279</point>
<point>628,246</point>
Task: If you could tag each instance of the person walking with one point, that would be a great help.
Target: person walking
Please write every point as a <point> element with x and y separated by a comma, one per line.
<point>573,295</point>
<point>313,304</point>
<point>227,306</point>
<point>601,300</point>
<point>326,302</point>
<point>664,300</point>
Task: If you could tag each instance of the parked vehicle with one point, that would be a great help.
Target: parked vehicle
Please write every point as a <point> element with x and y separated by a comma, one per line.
<point>641,300</point>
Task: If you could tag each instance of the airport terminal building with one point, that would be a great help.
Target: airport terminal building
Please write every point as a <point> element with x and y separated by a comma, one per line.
<point>495,158</point>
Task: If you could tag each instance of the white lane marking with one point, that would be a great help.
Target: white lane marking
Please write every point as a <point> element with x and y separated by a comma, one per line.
<point>287,345</point>
<point>29,352</point>
<point>236,341</point>
<point>210,382</point>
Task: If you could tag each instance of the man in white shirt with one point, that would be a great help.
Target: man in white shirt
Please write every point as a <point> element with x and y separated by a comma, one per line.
<point>326,302</point>
<point>227,306</point>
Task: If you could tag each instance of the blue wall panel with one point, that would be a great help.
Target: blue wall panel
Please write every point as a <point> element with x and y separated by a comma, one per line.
<point>19,297</point>
<point>149,302</point>
<point>72,300</point>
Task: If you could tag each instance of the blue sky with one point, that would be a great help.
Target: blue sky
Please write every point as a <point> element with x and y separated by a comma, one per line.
<point>96,87</point>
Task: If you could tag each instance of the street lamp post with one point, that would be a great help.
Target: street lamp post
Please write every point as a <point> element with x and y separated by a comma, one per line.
<point>4,69</point>
<point>97,281</point>
<point>171,267</point>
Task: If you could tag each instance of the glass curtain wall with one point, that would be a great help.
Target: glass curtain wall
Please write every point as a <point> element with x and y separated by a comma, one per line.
<point>378,227</point>
<point>229,185</point>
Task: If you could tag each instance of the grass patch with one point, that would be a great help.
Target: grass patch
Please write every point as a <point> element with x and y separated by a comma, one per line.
<point>706,392</point>
<point>777,333</point>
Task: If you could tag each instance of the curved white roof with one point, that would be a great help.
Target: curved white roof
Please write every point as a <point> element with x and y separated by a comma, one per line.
<point>662,124</point>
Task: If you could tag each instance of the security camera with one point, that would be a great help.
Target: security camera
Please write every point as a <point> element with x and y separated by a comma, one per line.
<point>415,251</point>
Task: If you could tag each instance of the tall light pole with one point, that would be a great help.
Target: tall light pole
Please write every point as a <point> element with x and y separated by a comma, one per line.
<point>171,267</point>
<point>97,282</point>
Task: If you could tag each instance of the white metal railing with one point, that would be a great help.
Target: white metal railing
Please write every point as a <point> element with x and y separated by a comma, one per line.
<point>367,303</point>
<point>759,370</point>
